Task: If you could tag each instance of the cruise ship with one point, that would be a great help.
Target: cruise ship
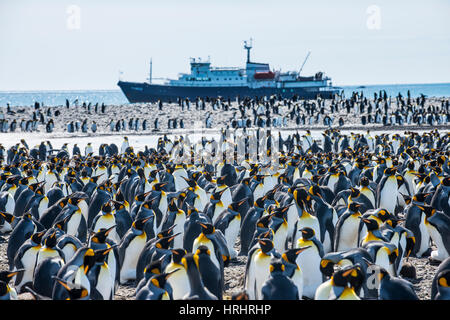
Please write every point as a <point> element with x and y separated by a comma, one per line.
<point>255,80</point>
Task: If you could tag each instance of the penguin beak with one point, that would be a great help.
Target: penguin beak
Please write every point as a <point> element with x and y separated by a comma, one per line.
<point>302,249</point>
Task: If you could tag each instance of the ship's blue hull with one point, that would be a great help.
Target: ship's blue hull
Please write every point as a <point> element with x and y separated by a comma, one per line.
<point>144,92</point>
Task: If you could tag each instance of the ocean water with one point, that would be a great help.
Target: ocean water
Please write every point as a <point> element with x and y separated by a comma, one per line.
<point>115,97</point>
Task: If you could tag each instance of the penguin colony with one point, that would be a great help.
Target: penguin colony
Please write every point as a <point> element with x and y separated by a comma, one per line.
<point>336,219</point>
<point>258,112</point>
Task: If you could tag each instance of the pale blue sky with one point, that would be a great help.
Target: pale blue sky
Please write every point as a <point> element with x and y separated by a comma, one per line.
<point>39,52</point>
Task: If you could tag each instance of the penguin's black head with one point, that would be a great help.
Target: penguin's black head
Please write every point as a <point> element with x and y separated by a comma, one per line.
<point>6,216</point>
<point>276,266</point>
<point>383,215</point>
<point>315,191</point>
<point>173,205</point>
<point>307,233</point>
<point>315,178</point>
<point>154,267</point>
<point>192,210</point>
<point>266,245</point>
<point>428,210</point>
<point>101,235</point>
<point>354,207</point>
<point>50,241</point>
<point>383,274</point>
<point>355,192</point>
<point>75,291</point>
<point>164,243</point>
<point>159,186</point>
<point>371,224</point>
<point>327,267</point>
<point>291,255</point>
<point>107,207</point>
<point>37,237</point>
<point>6,276</point>
<point>100,255</point>
<point>236,205</point>
<point>207,228</point>
<point>141,197</point>
<point>264,221</point>
<point>203,250</point>
<point>140,223</point>
<point>178,254</point>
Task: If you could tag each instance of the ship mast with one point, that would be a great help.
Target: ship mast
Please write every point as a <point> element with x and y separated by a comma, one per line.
<point>150,77</point>
<point>248,48</point>
<point>301,68</point>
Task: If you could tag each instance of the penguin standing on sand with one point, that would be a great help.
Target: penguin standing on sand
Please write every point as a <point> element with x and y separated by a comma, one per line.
<point>180,280</point>
<point>198,291</point>
<point>229,222</point>
<point>387,191</point>
<point>347,228</point>
<point>309,261</point>
<point>130,248</point>
<point>25,259</point>
<point>279,286</point>
<point>393,288</point>
<point>292,270</point>
<point>210,273</point>
<point>157,288</point>
<point>438,226</point>
<point>257,269</point>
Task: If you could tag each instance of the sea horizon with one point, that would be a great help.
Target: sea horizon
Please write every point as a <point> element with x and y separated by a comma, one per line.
<point>115,96</point>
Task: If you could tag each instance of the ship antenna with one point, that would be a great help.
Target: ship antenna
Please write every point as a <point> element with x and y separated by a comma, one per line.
<point>150,77</point>
<point>301,68</point>
<point>248,48</point>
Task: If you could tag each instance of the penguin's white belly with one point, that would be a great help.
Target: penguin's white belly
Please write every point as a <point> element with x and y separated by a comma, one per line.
<point>425,237</point>
<point>231,234</point>
<point>81,279</point>
<point>388,197</point>
<point>73,224</point>
<point>218,209</point>
<point>258,192</point>
<point>332,181</point>
<point>179,228</point>
<point>262,264</point>
<point>43,205</point>
<point>180,183</point>
<point>291,218</point>
<point>104,284</point>
<point>69,251</point>
<point>226,198</point>
<point>369,194</point>
<point>179,282</point>
<point>310,222</point>
<point>210,246</point>
<point>297,278</point>
<point>10,204</point>
<point>309,262</point>
<point>348,234</point>
<point>29,262</point>
<point>279,238</point>
<point>441,253</point>
<point>134,249</point>
<point>382,259</point>
<point>323,291</point>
